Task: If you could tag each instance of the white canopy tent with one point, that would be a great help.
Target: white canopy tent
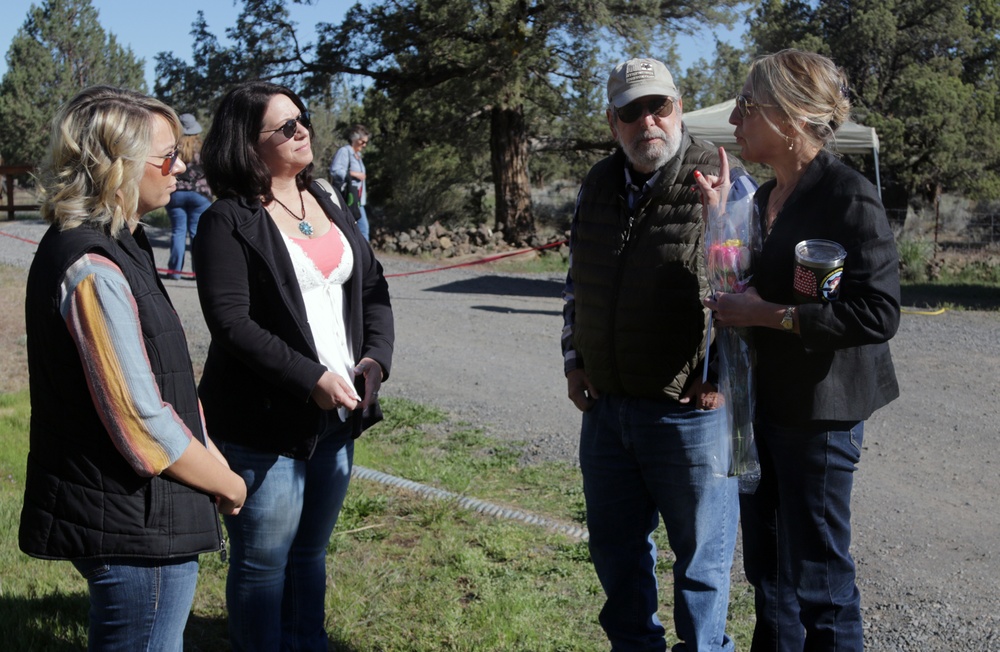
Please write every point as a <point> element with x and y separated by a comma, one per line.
<point>712,124</point>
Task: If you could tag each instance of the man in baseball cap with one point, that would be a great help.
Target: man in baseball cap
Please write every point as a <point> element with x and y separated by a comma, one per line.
<point>634,345</point>
<point>638,78</point>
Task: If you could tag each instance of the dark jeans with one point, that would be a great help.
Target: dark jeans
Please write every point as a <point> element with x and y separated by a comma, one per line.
<point>797,537</point>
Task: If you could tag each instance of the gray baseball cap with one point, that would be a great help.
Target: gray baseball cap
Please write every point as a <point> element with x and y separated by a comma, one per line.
<point>638,78</point>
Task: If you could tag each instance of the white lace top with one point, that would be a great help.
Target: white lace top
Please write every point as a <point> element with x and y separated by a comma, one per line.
<point>325,305</point>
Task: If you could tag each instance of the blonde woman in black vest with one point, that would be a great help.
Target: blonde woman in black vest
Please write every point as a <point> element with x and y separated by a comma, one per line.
<point>122,479</point>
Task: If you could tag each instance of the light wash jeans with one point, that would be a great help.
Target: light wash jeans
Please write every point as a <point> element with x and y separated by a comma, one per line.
<point>797,538</point>
<point>138,605</point>
<point>276,587</point>
<point>185,209</point>
<point>643,460</point>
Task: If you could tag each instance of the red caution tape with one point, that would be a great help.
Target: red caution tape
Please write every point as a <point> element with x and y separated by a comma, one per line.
<point>470,263</point>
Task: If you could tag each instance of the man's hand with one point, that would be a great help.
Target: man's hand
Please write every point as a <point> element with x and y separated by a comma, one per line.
<point>705,396</point>
<point>580,391</point>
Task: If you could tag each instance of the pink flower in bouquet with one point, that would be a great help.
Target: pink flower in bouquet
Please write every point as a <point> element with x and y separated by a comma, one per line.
<point>728,263</point>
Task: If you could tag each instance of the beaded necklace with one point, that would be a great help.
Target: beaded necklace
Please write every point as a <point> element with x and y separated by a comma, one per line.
<point>304,226</point>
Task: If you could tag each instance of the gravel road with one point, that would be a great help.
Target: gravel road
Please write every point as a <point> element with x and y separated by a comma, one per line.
<point>485,347</point>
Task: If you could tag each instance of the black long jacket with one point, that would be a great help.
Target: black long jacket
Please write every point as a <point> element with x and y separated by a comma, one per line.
<point>838,368</point>
<point>262,363</point>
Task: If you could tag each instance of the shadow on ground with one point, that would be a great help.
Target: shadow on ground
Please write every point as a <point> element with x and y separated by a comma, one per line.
<point>517,311</point>
<point>916,295</point>
<point>51,622</point>
<point>503,285</point>
<point>955,295</point>
<point>58,623</point>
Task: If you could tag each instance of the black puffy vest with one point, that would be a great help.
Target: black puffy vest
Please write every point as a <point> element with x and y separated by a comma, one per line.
<point>81,497</point>
<point>638,284</point>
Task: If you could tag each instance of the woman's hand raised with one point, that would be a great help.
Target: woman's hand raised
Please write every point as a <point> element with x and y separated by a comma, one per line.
<point>714,189</point>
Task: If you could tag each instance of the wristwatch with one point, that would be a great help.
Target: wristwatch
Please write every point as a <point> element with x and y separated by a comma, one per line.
<point>788,319</point>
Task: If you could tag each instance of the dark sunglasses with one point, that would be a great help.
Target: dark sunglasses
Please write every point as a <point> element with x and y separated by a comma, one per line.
<point>288,129</point>
<point>744,104</point>
<point>169,161</point>
<point>657,106</point>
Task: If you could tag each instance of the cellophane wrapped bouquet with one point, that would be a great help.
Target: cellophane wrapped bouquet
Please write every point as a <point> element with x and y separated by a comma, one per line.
<point>731,237</point>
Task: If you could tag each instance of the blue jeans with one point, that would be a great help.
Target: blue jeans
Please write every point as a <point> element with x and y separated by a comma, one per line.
<point>138,605</point>
<point>276,587</point>
<point>363,223</point>
<point>642,460</point>
<point>185,209</point>
<point>797,536</point>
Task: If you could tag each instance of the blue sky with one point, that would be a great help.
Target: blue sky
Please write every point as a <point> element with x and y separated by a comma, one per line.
<point>152,27</point>
<point>166,25</point>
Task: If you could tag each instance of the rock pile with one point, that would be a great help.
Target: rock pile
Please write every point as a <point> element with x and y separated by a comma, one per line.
<point>436,241</point>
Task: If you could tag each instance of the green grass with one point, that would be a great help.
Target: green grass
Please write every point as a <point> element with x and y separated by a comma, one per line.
<point>416,443</point>
<point>932,295</point>
<point>948,279</point>
<point>914,256</point>
<point>405,572</point>
<point>43,605</point>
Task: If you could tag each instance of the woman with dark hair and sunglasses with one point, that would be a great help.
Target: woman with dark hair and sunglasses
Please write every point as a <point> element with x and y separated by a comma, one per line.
<point>823,361</point>
<point>122,479</point>
<point>302,338</point>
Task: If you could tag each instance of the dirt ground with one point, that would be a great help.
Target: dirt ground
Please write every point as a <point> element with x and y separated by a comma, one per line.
<point>13,357</point>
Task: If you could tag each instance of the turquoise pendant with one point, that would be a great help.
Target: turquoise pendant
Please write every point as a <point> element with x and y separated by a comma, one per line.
<point>306,228</point>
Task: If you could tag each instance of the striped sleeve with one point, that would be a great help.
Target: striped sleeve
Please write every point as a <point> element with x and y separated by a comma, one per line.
<point>571,361</point>
<point>97,304</point>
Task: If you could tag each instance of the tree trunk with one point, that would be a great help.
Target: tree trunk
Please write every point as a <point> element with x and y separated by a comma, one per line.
<point>509,162</point>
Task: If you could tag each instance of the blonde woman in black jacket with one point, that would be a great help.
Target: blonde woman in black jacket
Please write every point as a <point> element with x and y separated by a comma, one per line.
<point>823,365</point>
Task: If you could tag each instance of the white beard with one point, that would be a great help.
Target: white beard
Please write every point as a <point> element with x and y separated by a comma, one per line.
<point>650,155</point>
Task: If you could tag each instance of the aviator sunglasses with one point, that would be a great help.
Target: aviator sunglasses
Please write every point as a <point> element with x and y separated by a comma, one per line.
<point>744,104</point>
<point>657,106</point>
<point>288,129</point>
<point>169,161</point>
